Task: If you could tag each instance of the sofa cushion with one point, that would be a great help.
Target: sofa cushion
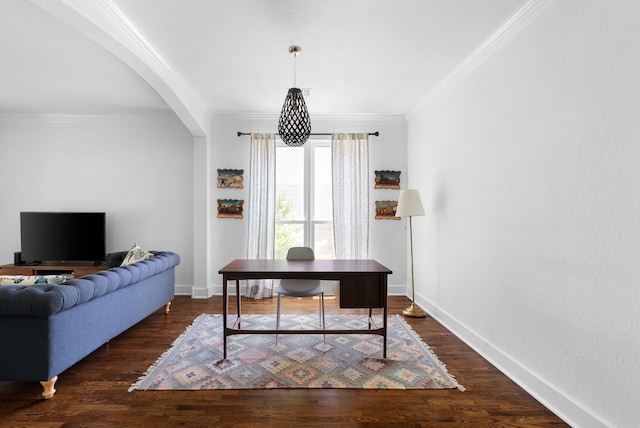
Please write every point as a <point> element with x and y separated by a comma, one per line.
<point>136,254</point>
<point>31,279</point>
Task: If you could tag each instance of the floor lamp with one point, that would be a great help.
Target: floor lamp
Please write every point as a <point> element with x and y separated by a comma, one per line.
<point>410,205</point>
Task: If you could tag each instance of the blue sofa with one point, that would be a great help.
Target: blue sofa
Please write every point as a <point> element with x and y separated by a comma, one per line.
<point>46,328</point>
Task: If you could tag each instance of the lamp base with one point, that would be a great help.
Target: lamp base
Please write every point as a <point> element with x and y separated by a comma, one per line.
<point>414,311</point>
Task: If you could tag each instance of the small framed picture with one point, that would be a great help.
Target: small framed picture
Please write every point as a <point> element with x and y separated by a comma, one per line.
<point>387,180</point>
<point>230,208</point>
<point>230,178</point>
<point>386,210</point>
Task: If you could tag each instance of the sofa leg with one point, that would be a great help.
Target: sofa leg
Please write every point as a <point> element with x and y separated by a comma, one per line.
<point>166,307</point>
<point>49,390</point>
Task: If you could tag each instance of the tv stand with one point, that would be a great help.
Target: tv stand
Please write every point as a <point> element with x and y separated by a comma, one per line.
<point>72,270</point>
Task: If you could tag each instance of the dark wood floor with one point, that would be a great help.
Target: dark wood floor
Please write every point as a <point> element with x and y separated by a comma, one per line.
<point>94,391</point>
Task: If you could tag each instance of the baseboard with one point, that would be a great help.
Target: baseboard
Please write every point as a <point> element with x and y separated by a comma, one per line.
<point>201,292</point>
<point>549,396</point>
<point>182,290</point>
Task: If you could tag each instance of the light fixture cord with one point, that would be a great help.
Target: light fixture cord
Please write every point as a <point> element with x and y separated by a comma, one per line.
<point>294,69</point>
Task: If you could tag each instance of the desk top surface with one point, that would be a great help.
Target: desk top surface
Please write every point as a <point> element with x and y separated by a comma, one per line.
<point>318,266</point>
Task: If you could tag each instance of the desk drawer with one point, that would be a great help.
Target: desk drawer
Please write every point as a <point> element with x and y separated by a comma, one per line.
<point>365,291</point>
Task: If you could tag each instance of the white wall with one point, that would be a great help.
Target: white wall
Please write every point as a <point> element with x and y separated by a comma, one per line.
<point>531,249</point>
<point>388,151</point>
<point>137,169</point>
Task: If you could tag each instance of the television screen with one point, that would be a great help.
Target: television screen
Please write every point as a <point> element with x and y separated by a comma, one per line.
<point>63,236</point>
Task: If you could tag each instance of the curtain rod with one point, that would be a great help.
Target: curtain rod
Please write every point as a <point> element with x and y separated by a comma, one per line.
<point>376,134</point>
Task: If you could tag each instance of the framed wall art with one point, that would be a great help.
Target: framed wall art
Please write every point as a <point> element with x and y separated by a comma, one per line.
<point>387,180</point>
<point>386,210</point>
<point>230,208</point>
<point>230,178</point>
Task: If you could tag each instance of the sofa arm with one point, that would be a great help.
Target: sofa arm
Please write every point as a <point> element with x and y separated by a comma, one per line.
<point>40,300</point>
<point>44,300</point>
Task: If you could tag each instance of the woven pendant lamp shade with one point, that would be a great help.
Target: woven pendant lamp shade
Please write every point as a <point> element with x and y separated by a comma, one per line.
<point>294,125</point>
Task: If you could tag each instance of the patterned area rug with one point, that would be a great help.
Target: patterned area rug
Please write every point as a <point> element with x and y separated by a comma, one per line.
<point>298,360</point>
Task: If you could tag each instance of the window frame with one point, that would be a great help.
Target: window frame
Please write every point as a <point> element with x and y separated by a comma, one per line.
<point>308,221</point>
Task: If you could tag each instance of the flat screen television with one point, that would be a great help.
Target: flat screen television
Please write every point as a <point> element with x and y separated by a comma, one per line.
<point>63,237</point>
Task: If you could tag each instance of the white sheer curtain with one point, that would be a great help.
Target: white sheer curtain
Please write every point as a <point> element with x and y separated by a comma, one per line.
<point>261,208</point>
<point>351,182</point>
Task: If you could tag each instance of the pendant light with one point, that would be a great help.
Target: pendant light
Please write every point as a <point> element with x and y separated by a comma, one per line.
<point>294,125</point>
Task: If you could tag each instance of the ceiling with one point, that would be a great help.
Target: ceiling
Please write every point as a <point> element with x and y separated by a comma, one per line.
<point>359,57</point>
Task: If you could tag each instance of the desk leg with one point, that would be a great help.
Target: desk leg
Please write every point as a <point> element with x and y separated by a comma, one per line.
<point>384,315</point>
<point>384,337</point>
<point>225,295</point>
<point>238,299</point>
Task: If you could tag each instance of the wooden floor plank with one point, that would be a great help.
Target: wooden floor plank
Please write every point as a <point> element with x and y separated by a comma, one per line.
<point>94,391</point>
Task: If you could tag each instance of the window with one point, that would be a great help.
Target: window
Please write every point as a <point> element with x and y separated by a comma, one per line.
<point>304,209</point>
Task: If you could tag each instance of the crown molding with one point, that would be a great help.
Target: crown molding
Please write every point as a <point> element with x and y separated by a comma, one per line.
<point>79,118</point>
<point>513,26</point>
<point>320,117</point>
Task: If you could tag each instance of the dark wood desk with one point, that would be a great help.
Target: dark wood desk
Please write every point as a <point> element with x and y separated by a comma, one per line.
<point>363,284</point>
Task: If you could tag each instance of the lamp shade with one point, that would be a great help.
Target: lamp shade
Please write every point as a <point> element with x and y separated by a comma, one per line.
<point>409,204</point>
<point>294,125</point>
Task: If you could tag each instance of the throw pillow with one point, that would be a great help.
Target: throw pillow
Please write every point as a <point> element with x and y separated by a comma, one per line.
<point>31,279</point>
<point>136,254</point>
